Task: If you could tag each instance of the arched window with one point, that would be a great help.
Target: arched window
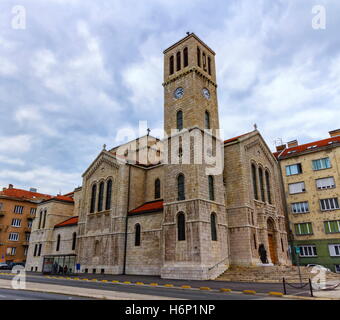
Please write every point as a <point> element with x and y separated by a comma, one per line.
<point>74,241</point>
<point>204,61</point>
<point>178,61</point>
<point>157,189</point>
<point>40,219</point>
<point>262,185</point>
<point>137,235</point>
<point>181,227</point>
<point>108,195</point>
<point>269,197</point>
<point>253,170</point>
<point>186,58</point>
<point>101,196</point>
<point>211,188</point>
<point>180,120</point>
<point>181,187</point>
<point>207,120</point>
<point>93,198</point>
<point>58,243</point>
<point>198,56</point>
<point>35,250</point>
<point>44,219</point>
<point>213,227</point>
<point>171,65</point>
<point>209,65</point>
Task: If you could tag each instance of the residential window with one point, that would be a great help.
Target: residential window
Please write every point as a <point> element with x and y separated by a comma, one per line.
<point>101,196</point>
<point>40,219</point>
<point>337,268</point>
<point>74,240</point>
<point>302,229</point>
<point>137,235</point>
<point>325,183</point>
<point>35,250</point>
<point>213,227</point>
<point>181,187</point>
<point>93,198</point>
<point>308,251</point>
<point>33,211</point>
<point>329,204</point>
<point>25,251</point>
<point>39,251</point>
<point>179,117</point>
<point>300,207</point>
<point>297,187</point>
<point>157,189</point>
<point>1,205</point>
<point>334,250</point>
<point>18,209</point>
<point>58,243</point>
<point>16,223</point>
<point>181,227</point>
<point>186,58</point>
<point>108,195</point>
<point>320,164</point>
<point>332,226</point>
<point>211,188</point>
<point>11,251</point>
<point>44,220</point>
<point>293,169</point>
<point>27,236</point>
<point>13,236</point>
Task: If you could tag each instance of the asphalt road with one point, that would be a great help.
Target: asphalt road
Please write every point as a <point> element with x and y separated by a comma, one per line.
<point>10,294</point>
<point>153,291</point>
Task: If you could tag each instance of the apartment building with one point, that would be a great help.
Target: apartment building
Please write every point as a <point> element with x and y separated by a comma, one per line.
<point>17,211</point>
<point>311,177</point>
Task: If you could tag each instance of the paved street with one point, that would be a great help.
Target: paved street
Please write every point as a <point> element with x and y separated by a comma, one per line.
<point>133,291</point>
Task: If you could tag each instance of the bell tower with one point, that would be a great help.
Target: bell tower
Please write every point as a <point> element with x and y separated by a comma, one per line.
<point>195,233</point>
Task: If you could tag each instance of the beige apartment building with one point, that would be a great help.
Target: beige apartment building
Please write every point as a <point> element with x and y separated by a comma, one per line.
<point>17,212</point>
<point>311,177</point>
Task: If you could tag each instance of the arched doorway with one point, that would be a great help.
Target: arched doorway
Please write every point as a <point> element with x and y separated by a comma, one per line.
<point>271,240</point>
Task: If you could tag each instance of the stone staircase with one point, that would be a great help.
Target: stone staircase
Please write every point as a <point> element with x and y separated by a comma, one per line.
<point>271,274</point>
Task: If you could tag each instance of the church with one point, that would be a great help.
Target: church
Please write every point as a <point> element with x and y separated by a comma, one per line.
<point>185,207</point>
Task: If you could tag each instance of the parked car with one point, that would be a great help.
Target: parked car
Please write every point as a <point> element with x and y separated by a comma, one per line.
<point>4,266</point>
<point>13,264</point>
<point>311,265</point>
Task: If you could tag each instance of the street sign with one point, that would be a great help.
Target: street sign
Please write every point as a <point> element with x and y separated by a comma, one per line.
<point>297,250</point>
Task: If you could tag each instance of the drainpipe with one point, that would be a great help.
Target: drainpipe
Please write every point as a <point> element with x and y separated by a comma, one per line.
<point>126,221</point>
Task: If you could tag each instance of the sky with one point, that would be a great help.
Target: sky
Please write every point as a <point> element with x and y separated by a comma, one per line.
<point>80,71</point>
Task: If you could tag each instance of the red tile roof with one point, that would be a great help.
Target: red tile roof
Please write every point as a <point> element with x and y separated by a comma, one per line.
<point>69,222</point>
<point>63,198</point>
<point>23,194</point>
<point>309,147</point>
<point>235,138</point>
<point>148,207</point>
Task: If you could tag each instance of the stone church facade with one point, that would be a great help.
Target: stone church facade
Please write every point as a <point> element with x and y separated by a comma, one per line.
<point>191,205</point>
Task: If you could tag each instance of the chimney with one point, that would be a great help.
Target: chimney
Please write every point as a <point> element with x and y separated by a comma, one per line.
<point>292,144</point>
<point>281,147</point>
<point>33,190</point>
<point>334,133</point>
<point>10,186</point>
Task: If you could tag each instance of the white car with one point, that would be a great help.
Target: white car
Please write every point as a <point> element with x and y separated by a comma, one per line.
<point>318,266</point>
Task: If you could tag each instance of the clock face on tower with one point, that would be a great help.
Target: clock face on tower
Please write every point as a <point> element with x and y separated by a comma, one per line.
<point>206,93</point>
<point>179,93</point>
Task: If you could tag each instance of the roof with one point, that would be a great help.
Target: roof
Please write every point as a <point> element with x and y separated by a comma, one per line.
<point>236,138</point>
<point>23,194</point>
<point>63,198</point>
<point>152,206</point>
<point>67,223</point>
<point>309,147</point>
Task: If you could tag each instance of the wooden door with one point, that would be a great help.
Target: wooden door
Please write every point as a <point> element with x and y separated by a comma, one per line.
<point>272,248</point>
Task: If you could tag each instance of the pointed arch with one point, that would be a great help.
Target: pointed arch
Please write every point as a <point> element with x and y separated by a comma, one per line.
<point>179,120</point>
<point>178,61</point>
<point>181,187</point>
<point>157,188</point>
<point>108,194</point>
<point>93,198</point>
<point>137,235</point>
<point>211,188</point>
<point>185,57</point>
<point>207,119</point>
<point>181,227</point>
<point>171,65</point>
<point>100,197</point>
<point>213,224</point>
<point>254,180</point>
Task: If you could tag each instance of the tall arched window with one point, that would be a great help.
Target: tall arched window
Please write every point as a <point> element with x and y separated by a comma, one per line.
<point>93,198</point>
<point>44,219</point>
<point>35,250</point>
<point>262,185</point>
<point>171,65</point>
<point>211,188</point>
<point>179,120</point>
<point>58,243</point>
<point>40,219</point>
<point>74,241</point>
<point>213,227</point>
<point>157,189</point>
<point>181,227</point>
<point>207,120</point>
<point>178,61</point>
<point>209,65</point>
<point>108,195</point>
<point>100,196</point>
<point>186,58</point>
<point>181,187</point>
<point>254,176</point>
<point>137,235</point>
<point>198,56</point>
<point>269,196</point>
<point>204,61</point>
